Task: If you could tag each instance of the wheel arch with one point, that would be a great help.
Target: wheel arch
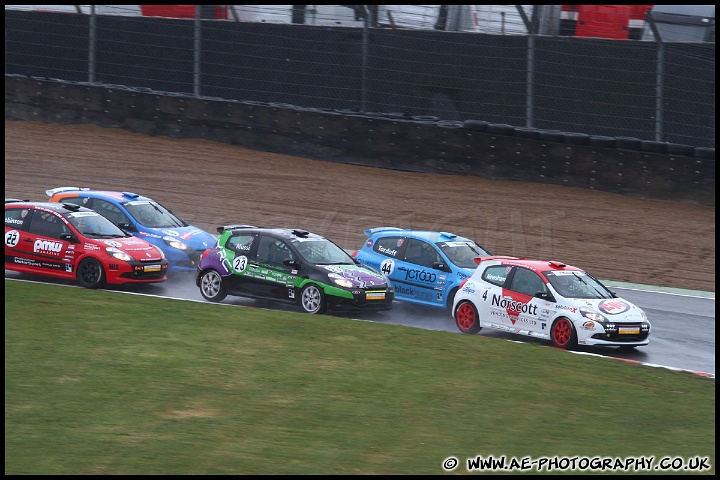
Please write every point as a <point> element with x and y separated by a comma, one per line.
<point>450,297</point>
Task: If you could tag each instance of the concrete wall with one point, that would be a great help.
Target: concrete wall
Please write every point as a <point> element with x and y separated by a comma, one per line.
<point>623,165</point>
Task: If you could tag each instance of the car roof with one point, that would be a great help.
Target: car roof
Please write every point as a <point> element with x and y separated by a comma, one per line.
<point>104,194</point>
<point>537,265</point>
<point>285,233</point>
<point>57,207</point>
<point>429,235</point>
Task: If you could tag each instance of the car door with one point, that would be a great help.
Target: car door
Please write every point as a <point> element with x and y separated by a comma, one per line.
<point>238,250</point>
<point>490,295</point>
<point>520,303</point>
<point>16,249</point>
<point>110,211</point>
<point>40,248</point>
<point>267,275</point>
<point>416,277</point>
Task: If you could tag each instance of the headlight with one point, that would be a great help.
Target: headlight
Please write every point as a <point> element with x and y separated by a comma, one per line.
<point>119,254</point>
<point>175,243</point>
<point>643,315</point>
<point>593,315</point>
<point>340,280</point>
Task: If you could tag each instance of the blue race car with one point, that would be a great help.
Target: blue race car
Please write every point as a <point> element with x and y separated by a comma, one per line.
<point>425,267</point>
<point>143,217</point>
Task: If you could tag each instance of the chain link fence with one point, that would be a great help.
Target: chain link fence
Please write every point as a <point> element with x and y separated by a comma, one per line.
<point>649,90</point>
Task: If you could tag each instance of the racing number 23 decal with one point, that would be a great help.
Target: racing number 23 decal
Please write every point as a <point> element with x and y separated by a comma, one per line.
<point>240,263</point>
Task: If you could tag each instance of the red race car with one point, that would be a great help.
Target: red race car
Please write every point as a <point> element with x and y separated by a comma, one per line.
<point>73,242</point>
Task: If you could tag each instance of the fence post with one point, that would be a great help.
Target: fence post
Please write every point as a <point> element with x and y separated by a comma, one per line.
<point>659,79</point>
<point>363,81</point>
<point>92,39</point>
<point>196,51</point>
<point>530,67</point>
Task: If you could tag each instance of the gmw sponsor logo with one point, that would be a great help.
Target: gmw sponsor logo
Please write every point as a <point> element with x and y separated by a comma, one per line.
<point>47,246</point>
<point>512,305</point>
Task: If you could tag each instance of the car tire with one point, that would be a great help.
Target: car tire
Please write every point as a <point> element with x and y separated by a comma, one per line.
<point>90,273</point>
<point>212,286</point>
<point>312,299</point>
<point>563,334</point>
<point>467,318</point>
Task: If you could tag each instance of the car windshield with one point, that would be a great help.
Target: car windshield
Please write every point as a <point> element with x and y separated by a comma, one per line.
<point>322,252</point>
<point>94,225</point>
<point>153,215</point>
<point>575,284</point>
<point>463,254</point>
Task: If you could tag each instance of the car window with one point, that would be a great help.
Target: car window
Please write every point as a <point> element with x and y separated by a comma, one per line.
<point>320,251</point>
<point>574,284</point>
<point>496,274</point>
<point>273,250</point>
<point>421,253</point>
<point>94,225</point>
<point>109,211</point>
<point>240,243</point>
<point>47,224</point>
<point>464,253</point>
<point>152,214</point>
<point>527,282</point>
<point>389,246</point>
<point>15,217</point>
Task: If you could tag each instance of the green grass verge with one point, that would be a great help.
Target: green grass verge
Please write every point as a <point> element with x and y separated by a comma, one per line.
<point>103,383</point>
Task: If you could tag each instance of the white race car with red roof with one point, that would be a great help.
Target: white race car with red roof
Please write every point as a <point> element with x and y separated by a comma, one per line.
<point>548,300</point>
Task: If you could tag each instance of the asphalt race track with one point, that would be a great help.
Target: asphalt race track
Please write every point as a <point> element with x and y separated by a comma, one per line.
<point>682,336</point>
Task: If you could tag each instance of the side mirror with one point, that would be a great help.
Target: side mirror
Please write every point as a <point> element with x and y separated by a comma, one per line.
<point>291,263</point>
<point>545,296</point>
<point>69,237</point>
<point>127,226</point>
<point>441,266</point>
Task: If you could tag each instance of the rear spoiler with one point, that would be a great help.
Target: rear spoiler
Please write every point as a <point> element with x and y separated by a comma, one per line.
<point>372,231</point>
<point>225,228</point>
<point>477,260</point>
<point>53,191</point>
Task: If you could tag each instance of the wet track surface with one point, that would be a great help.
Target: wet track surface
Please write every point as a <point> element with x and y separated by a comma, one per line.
<point>682,336</point>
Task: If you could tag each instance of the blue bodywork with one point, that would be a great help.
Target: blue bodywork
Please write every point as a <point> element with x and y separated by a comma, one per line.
<point>425,267</point>
<point>145,218</point>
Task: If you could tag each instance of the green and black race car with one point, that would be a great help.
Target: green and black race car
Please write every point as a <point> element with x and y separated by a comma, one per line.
<point>289,265</point>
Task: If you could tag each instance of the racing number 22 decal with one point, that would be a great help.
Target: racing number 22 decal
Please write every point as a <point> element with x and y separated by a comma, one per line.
<point>240,263</point>
<point>12,238</point>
